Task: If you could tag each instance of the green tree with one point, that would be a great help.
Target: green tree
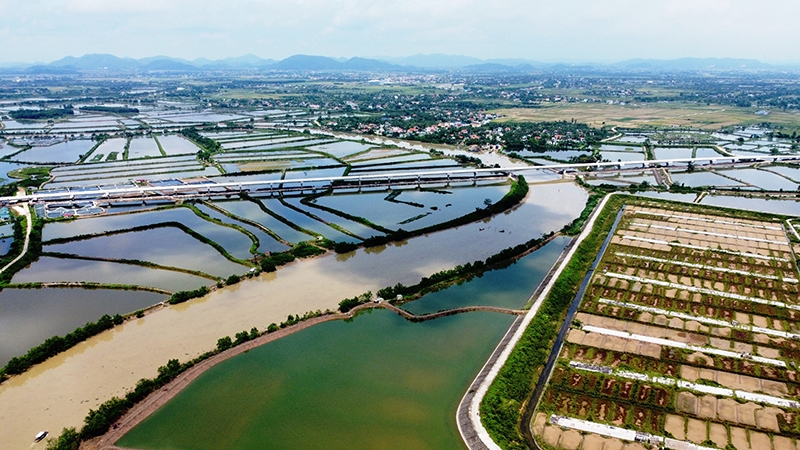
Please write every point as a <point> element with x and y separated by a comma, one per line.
<point>224,343</point>
<point>68,440</point>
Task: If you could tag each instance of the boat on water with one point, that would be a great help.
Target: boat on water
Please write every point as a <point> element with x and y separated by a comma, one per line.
<point>39,436</point>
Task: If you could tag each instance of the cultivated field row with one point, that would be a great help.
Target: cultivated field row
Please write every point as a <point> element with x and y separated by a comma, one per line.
<point>687,338</point>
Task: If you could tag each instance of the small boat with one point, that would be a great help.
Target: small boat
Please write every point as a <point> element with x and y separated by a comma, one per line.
<point>39,436</point>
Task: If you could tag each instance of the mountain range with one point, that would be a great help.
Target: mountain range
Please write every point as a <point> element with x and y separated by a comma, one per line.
<point>419,62</point>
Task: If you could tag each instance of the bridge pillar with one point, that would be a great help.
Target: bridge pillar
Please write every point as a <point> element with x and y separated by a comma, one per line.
<point>448,180</point>
<point>419,182</point>
<point>474,178</point>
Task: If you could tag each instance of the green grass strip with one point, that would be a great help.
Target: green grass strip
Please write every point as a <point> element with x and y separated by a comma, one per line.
<point>309,214</point>
<point>178,225</point>
<point>502,405</point>
<point>233,216</point>
<point>255,242</point>
<point>277,216</point>
<point>160,148</point>
<point>132,262</point>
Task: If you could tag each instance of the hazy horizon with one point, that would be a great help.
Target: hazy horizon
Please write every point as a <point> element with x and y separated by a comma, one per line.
<point>572,31</point>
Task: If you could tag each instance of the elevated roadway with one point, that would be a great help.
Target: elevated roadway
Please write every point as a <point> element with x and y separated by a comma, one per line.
<point>210,188</point>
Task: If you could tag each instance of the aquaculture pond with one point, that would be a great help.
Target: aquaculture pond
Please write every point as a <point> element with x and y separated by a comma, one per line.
<point>175,249</point>
<point>791,172</point>
<point>704,152</point>
<point>29,316</point>
<point>266,242</point>
<point>787,207</point>
<point>5,245</point>
<point>377,381</point>
<point>561,155</point>
<point>341,149</point>
<point>66,152</point>
<point>6,150</point>
<point>354,227</point>
<point>306,222</point>
<point>696,179</point>
<point>762,179</point>
<point>673,152</point>
<point>176,145</point>
<point>112,145</point>
<point>49,269</point>
<point>411,209</point>
<point>113,179</point>
<point>620,148</point>
<point>516,278</point>
<point>622,156</point>
<point>234,241</point>
<point>143,147</point>
<point>688,198</point>
<point>248,143</point>
<point>385,155</point>
<point>252,211</point>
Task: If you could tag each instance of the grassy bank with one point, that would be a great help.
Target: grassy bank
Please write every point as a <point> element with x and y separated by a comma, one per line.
<point>502,405</point>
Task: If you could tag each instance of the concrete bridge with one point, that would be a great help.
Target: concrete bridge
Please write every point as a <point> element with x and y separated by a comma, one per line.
<point>209,188</point>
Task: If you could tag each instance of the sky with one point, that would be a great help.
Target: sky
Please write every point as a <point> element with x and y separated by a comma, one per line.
<point>540,30</point>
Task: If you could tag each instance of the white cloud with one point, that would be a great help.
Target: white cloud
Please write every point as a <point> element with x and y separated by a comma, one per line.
<point>115,6</point>
<point>538,29</point>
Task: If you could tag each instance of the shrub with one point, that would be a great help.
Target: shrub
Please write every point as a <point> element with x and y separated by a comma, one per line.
<point>68,440</point>
<point>224,343</point>
<point>182,296</point>
<point>350,303</point>
<point>58,344</point>
<point>306,250</point>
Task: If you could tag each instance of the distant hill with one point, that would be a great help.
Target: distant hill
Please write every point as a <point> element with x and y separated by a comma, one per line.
<point>307,62</point>
<point>169,65</point>
<point>419,62</point>
<point>52,70</point>
<point>315,63</point>
<point>498,68</point>
<point>368,64</point>
<point>97,62</point>
<point>71,64</point>
<point>435,61</point>
<point>693,64</point>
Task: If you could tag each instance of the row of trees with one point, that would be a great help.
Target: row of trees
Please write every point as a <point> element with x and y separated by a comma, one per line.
<point>207,146</point>
<point>41,114</point>
<point>58,344</point>
<point>110,109</point>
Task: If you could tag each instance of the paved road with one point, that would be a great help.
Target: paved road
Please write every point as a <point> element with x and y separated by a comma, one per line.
<point>23,209</point>
<point>533,400</point>
<point>356,181</point>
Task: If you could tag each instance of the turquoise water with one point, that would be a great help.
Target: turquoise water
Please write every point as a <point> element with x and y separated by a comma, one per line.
<point>377,381</point>
<point>516,280</point>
